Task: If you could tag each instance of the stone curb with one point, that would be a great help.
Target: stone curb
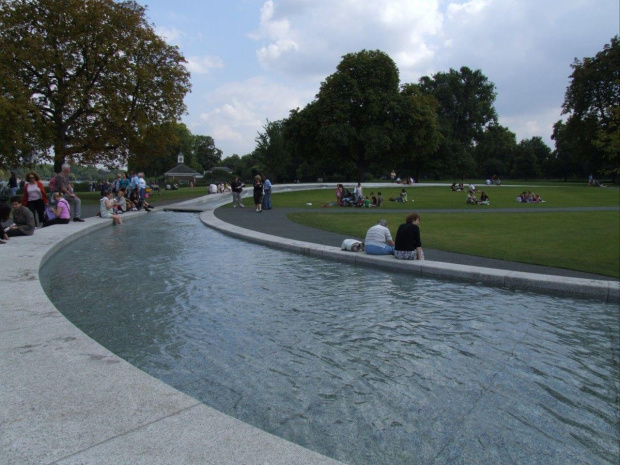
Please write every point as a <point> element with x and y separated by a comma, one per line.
<point>605,291</point>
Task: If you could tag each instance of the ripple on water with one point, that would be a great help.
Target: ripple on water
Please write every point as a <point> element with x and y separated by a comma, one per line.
<point>359,364</point>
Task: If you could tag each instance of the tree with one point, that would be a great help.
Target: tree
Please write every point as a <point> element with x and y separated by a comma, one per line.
<point>353,110</point>
<point>206,154</point>
<point>531,155</point>
<point>87,78</point>
<point>271,150</point>
<point>416,130</point>
<point>157,152</point>
<point>495,150</point>
<point>465,110</point>
<point>591,102</point>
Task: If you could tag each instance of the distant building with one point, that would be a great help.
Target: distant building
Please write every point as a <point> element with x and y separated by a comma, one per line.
<point>219,169</point>
<point>182,172</point>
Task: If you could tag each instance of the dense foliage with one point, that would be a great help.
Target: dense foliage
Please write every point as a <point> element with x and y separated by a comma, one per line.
<point>364,123</point>
<point>83,81</point>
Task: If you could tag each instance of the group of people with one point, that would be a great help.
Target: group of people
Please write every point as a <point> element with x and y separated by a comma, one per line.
<point>529,197</point>
<point>219,188</point>
<point>261,193</point>
<point>407,246</point>
<point>34,208</point>
<point>346,198</point>
<point>473,200</point>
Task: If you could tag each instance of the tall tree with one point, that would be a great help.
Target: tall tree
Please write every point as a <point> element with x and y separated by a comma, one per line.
<point>271,150</point>
<point>592,100</point>
<point>206,154</point>
<point>353,109</point>
<point>530,157</point>
<point>91,76</point>
<point>416,130</point>
<point>466,108</point>
<point>495,150</point>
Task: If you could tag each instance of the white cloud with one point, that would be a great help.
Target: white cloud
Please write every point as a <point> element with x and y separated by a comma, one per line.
<point>238,111</point>
<point>309,38</point>
<point>202,65</point>
<point>531,124</point>
<point>170,35</point>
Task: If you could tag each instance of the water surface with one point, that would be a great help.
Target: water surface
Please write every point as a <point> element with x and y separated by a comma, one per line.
<point>361,365</point>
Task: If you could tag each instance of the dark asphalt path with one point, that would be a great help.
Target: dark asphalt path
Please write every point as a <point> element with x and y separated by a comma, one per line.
<point>275,222</point>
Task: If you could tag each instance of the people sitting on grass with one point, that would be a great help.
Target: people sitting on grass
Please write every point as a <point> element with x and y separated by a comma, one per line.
<point>62,211</point>
<point>373,200</point>
<point>529,197</point>
<point>471,199</point>
<point>484,199</point>
<point>403,195</point>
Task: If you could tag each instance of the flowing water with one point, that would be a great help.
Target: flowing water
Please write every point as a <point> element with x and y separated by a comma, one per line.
<point>362,365</point>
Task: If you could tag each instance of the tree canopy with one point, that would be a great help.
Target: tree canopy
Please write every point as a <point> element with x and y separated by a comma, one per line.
<point>83,81</point>
<point>592,103</point>
<point>465,111</point>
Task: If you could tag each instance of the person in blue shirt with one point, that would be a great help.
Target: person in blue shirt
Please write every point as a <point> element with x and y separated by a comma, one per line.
<point>267,196</point>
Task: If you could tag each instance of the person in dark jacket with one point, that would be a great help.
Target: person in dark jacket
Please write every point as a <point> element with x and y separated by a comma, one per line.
<point>23,220</point>
<point>408,244</point>
<point>236,188</point>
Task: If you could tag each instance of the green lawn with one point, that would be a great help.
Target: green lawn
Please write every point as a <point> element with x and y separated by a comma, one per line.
<point>421,198</point>
<point>583,241</point>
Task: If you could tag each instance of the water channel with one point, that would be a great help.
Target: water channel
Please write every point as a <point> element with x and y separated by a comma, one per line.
<point>361,365</point>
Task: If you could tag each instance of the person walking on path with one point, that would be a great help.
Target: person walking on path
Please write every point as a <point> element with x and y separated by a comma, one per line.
<point>379,239</point>
<point>267,194</point>
<point>237,189</point>
<point>62,185</point>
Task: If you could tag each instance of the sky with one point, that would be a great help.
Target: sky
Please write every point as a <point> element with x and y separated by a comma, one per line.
<point>252,61</point>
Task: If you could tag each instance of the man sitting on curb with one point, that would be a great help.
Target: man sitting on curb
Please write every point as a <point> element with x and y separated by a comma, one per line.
<point>379,240</point>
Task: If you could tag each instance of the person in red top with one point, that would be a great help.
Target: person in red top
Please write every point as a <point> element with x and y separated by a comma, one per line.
<point>34,196</point>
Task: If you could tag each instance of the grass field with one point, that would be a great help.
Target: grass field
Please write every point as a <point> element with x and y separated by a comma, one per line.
<point>583,241</point>
<point>554,195</point>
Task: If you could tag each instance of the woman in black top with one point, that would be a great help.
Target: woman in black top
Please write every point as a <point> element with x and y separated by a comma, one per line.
<point>408,244</point>
<point>258,193</point>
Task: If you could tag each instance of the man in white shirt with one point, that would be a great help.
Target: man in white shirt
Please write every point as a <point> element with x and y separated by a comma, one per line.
<point>379,240</point>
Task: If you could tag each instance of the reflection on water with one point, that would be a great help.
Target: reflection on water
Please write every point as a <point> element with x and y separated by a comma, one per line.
<point>364,366</point>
